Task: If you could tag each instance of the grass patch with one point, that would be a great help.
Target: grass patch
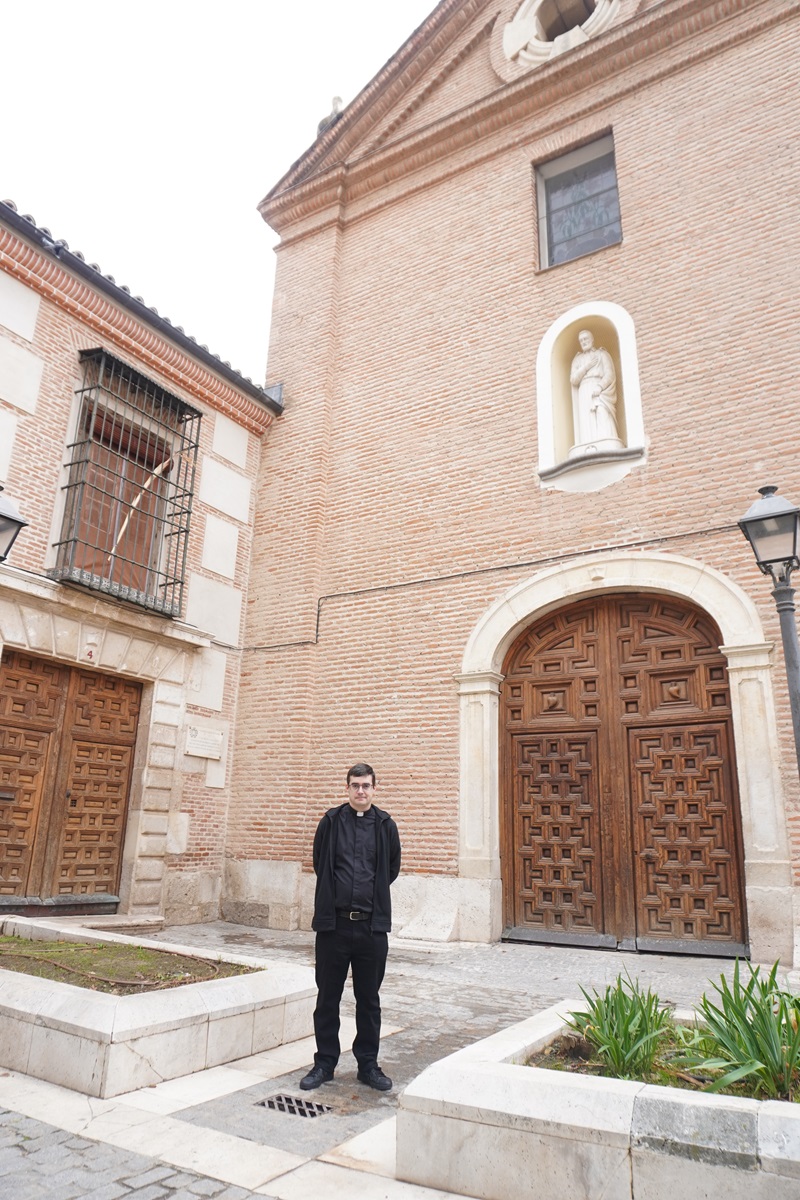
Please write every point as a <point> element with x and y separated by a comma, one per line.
<point>115,967</point>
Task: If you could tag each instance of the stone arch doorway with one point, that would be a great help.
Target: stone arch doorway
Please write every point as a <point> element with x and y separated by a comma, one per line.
<point>768,885</point>
<point>619,813</point>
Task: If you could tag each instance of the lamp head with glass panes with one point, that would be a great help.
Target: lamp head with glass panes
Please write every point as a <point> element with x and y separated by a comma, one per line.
<point>11,522</point>
<point>772,527</point>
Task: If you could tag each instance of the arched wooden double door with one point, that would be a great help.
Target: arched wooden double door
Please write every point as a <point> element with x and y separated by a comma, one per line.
<point>620,816</point>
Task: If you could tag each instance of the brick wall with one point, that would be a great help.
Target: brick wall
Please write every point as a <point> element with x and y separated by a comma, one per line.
<point>179,803</point>
<point>400,493</point>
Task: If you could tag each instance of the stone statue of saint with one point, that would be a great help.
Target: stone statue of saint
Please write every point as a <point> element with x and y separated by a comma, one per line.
<point>594,399</point>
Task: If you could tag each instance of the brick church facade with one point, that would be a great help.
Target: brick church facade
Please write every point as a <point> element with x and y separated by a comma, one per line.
<point>539,622</point>
<point>533,326</point>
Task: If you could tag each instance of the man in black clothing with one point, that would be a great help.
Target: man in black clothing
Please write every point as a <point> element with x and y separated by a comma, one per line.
<point>356,859</point>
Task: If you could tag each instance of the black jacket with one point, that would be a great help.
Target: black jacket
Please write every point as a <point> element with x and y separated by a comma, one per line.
<point>387,868</point>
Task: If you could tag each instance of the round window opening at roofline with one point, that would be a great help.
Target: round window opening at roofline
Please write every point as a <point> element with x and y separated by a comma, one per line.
<point>560,16</point>
<point>527,35</point>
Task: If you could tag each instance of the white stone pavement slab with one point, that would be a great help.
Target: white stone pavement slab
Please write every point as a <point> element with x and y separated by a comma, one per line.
<point>324,1181</point>
<point>234,1160</point>
<point>176,1094</point>
<point>373,1151</point>
<point>143,1122</point>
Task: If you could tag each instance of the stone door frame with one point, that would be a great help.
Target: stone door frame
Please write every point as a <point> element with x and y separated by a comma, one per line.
<point>768,888</point>
<point>83,630</point>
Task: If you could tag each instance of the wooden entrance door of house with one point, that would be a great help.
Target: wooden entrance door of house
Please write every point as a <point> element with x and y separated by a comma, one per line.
<point>620,817</point>
<point>66,755</point>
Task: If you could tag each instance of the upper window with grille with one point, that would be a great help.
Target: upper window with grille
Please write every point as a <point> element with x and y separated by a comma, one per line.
<point>131,472</point>
<point>578,204</point>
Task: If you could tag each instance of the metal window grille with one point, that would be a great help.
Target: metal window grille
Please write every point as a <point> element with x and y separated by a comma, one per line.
<point>131,475</point>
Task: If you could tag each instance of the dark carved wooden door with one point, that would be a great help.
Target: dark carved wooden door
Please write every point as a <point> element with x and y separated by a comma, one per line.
<point>66,754</point>
<point>620,817</point>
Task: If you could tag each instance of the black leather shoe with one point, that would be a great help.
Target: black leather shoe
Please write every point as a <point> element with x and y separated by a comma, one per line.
<point>374,1077</point>
<point>315,1077</point>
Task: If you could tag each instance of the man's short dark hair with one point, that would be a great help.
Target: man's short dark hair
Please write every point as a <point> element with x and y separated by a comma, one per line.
<point>359,771</point>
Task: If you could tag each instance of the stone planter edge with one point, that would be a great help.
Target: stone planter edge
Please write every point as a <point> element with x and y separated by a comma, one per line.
<point>481,1124</point>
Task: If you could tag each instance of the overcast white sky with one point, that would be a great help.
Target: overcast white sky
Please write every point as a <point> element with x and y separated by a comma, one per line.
<point>145,135</point>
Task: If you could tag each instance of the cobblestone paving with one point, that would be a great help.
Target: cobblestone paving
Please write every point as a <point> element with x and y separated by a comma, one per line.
<point>40,1162</point>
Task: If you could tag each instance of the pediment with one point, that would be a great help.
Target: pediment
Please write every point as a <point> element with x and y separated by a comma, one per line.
<point>464,78</point>
<point>443,67</point>
<point>465,51</point>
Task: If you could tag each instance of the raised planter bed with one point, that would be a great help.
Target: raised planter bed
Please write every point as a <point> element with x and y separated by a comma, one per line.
<point>482,1124</point>
<point>104,1045</point>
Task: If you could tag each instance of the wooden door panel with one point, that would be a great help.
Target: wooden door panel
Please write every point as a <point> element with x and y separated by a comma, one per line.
<point>105,707</point>
<point>616,715</point>
<point>668,661</point>
<point>66,755</point>
<point>555,676</point>
<point>32,690</point>
<point>90,846</point>
<point>685,854</point>
<point>24,755</point>
<point>557,836</point>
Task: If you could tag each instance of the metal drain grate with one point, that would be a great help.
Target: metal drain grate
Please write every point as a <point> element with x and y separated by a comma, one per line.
<point>294,1106</point>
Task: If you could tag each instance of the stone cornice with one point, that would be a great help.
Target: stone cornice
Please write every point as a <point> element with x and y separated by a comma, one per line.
<point>395,125</point>
<point>47,276</point>
<point>664,40</point>
<point>386,90</point>
<point>37,591</point>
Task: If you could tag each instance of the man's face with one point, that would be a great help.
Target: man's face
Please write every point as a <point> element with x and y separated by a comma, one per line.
<point>361,792</point>
<point>586,341</point>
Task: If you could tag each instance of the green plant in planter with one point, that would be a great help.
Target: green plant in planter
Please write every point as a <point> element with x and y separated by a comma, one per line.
<point>625,1026</point>
<point>751,1032</point>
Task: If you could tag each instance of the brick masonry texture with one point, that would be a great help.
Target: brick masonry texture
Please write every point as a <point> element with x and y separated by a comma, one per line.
<point>401,498</point>
<point>35,480</point>
<point>397,498</point>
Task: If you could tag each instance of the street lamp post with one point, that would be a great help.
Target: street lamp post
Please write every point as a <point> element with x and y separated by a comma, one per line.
<point>772,527</point>
<point>11,522</point>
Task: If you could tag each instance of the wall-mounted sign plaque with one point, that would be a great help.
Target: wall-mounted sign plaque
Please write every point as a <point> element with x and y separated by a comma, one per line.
<point>204,743</point>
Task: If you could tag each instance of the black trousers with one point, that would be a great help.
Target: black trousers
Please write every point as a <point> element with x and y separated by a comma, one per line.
<point>351,945</point>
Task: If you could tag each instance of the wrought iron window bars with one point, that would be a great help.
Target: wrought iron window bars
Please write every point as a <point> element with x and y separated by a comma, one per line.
<point>130,483</point>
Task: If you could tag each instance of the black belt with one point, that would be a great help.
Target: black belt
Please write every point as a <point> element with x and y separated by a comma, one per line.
<point>352,916</point>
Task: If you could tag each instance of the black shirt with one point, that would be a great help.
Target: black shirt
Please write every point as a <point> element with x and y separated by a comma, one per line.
<point>354,865</point>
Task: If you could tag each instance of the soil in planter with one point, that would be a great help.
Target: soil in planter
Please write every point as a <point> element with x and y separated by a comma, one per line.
<point>121,969</point>
<point>574,1054</point>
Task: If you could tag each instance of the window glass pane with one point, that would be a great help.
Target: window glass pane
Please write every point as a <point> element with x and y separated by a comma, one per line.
<point>596,215</point>
<point>583,181</point>
<point>582,210</point>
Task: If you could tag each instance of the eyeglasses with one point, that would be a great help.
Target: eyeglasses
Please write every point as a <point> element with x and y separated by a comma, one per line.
<point>361,787</point>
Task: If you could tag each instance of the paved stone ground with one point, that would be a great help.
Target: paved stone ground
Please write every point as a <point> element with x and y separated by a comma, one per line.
<point>438,998</point>
<point>40,1162</point>
<point>442,997</point>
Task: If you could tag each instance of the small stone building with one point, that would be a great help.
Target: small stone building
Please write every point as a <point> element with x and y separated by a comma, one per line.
<point>534,313</point>
<point>132,452</point>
